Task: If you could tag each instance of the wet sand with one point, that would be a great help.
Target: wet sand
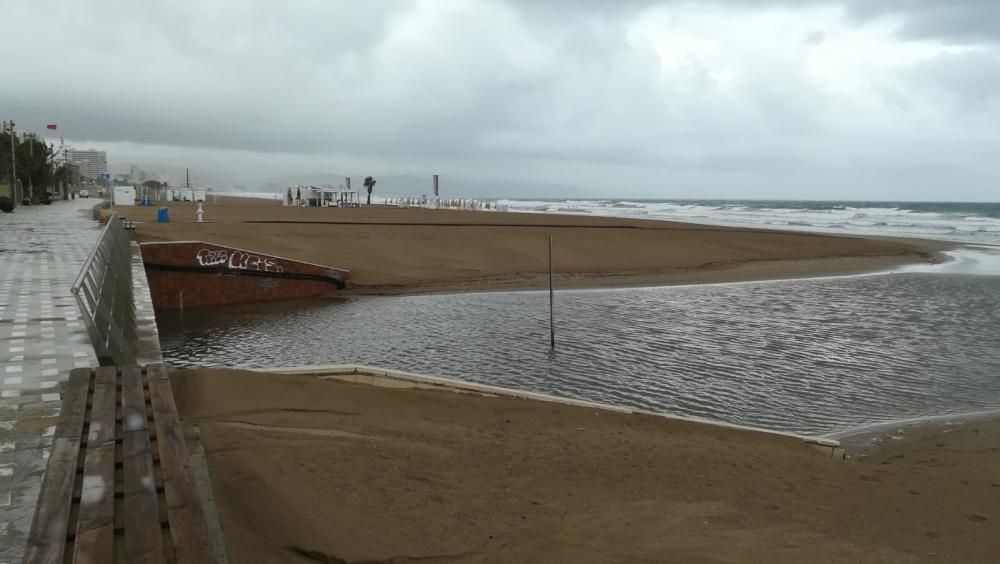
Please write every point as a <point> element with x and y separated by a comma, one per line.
<point>393,250</point>
<point>310,470</point>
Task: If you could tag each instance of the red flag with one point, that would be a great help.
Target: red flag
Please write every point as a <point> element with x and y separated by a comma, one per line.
<point>52,126</point>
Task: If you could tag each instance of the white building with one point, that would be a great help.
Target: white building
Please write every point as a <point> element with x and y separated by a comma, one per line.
<point>123,196</point>
<point>91,162</point>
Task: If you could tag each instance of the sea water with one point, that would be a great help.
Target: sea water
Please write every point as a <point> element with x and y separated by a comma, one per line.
<point>966,222</point>
<point>812,356</point>
<point>818,356</point>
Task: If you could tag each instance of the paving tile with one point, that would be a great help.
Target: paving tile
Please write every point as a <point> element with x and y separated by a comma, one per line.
<point>43,248</point>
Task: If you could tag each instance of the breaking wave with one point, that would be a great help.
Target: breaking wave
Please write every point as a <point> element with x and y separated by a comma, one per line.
<point>965,222</point>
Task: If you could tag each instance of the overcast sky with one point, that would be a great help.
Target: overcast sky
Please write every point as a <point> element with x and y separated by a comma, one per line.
<point>725,98</point>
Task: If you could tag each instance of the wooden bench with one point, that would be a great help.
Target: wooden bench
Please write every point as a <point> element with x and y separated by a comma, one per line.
<point>119,485</point>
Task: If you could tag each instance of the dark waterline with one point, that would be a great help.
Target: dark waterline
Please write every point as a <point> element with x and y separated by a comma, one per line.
<point>808,356</point>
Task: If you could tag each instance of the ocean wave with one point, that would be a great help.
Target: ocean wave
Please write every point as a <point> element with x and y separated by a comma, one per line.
<point>972,223</point>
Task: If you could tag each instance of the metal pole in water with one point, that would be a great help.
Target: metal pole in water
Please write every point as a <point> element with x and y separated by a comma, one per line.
<point>552,325</point>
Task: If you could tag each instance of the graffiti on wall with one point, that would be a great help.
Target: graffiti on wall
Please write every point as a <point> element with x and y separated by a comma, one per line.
<point>212,257</point>
<point>238,260</point>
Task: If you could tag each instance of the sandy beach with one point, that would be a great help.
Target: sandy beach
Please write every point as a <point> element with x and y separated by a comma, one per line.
<point>313,470</point>
<point>310,470</point>
<point>393,250</point>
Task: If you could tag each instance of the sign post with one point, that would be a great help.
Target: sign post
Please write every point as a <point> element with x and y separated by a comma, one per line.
<point>106,177</point>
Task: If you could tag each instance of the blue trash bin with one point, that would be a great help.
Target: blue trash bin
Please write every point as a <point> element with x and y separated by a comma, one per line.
<point>163,216</point>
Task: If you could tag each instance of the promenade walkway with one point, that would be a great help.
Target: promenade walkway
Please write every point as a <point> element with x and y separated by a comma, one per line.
<point>42,338</point>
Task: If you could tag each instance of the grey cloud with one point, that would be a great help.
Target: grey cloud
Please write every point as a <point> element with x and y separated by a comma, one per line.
<point>968,82</point>
<point>949,20</point>
<point>558,90</point>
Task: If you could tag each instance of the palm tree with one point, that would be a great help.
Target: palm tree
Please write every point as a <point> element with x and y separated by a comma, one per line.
<point>369,184</point>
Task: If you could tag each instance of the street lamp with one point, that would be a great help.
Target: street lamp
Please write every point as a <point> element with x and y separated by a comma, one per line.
<point>13,167</point>
<point>31,166</point>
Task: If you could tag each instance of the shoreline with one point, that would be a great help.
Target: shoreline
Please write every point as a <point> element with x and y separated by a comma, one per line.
<point>876,439</point>
<point>407,251</point>
<point>759,271</point>
<point>392,378</point>
<point>348,471</point>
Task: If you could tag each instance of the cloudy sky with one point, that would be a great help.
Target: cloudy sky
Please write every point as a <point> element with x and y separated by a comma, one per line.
<point>725,98</point>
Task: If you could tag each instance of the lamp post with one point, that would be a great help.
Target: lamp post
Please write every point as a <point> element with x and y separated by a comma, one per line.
<point>31,166</point>
<point>13,167</point>
<point>68,190</point>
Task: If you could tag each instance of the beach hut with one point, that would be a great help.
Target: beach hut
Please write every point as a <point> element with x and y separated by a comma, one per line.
<point>326,196</point>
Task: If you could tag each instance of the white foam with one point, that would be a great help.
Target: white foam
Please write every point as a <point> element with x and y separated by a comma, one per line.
<point>981,260</point>
<point>886,221</point>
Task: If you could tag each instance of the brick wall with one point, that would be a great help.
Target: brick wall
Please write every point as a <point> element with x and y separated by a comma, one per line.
<point>196,274</point>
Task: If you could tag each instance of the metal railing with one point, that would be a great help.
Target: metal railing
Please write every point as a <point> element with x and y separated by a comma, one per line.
<point>103,292</point>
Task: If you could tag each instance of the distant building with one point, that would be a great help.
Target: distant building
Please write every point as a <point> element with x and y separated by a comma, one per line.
<point>136,175</point>
<point>92,163</point>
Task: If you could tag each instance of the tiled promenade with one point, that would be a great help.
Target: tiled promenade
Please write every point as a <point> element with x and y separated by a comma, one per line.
<point>41,339</point>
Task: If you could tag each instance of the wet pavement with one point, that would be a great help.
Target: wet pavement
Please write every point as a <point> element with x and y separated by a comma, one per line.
<point>42,338</point>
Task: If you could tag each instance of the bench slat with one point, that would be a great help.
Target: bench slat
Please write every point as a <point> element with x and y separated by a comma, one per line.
<point>187,522</point>
<point>45,545</point>
<point>74,404</point>
<point>92,526</point>
<point>143,537</point>
<point>95,529</point>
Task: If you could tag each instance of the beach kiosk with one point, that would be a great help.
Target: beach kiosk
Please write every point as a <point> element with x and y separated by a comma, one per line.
<point>322,196</point>
<point>336,197</point>
<point>123,196</point>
